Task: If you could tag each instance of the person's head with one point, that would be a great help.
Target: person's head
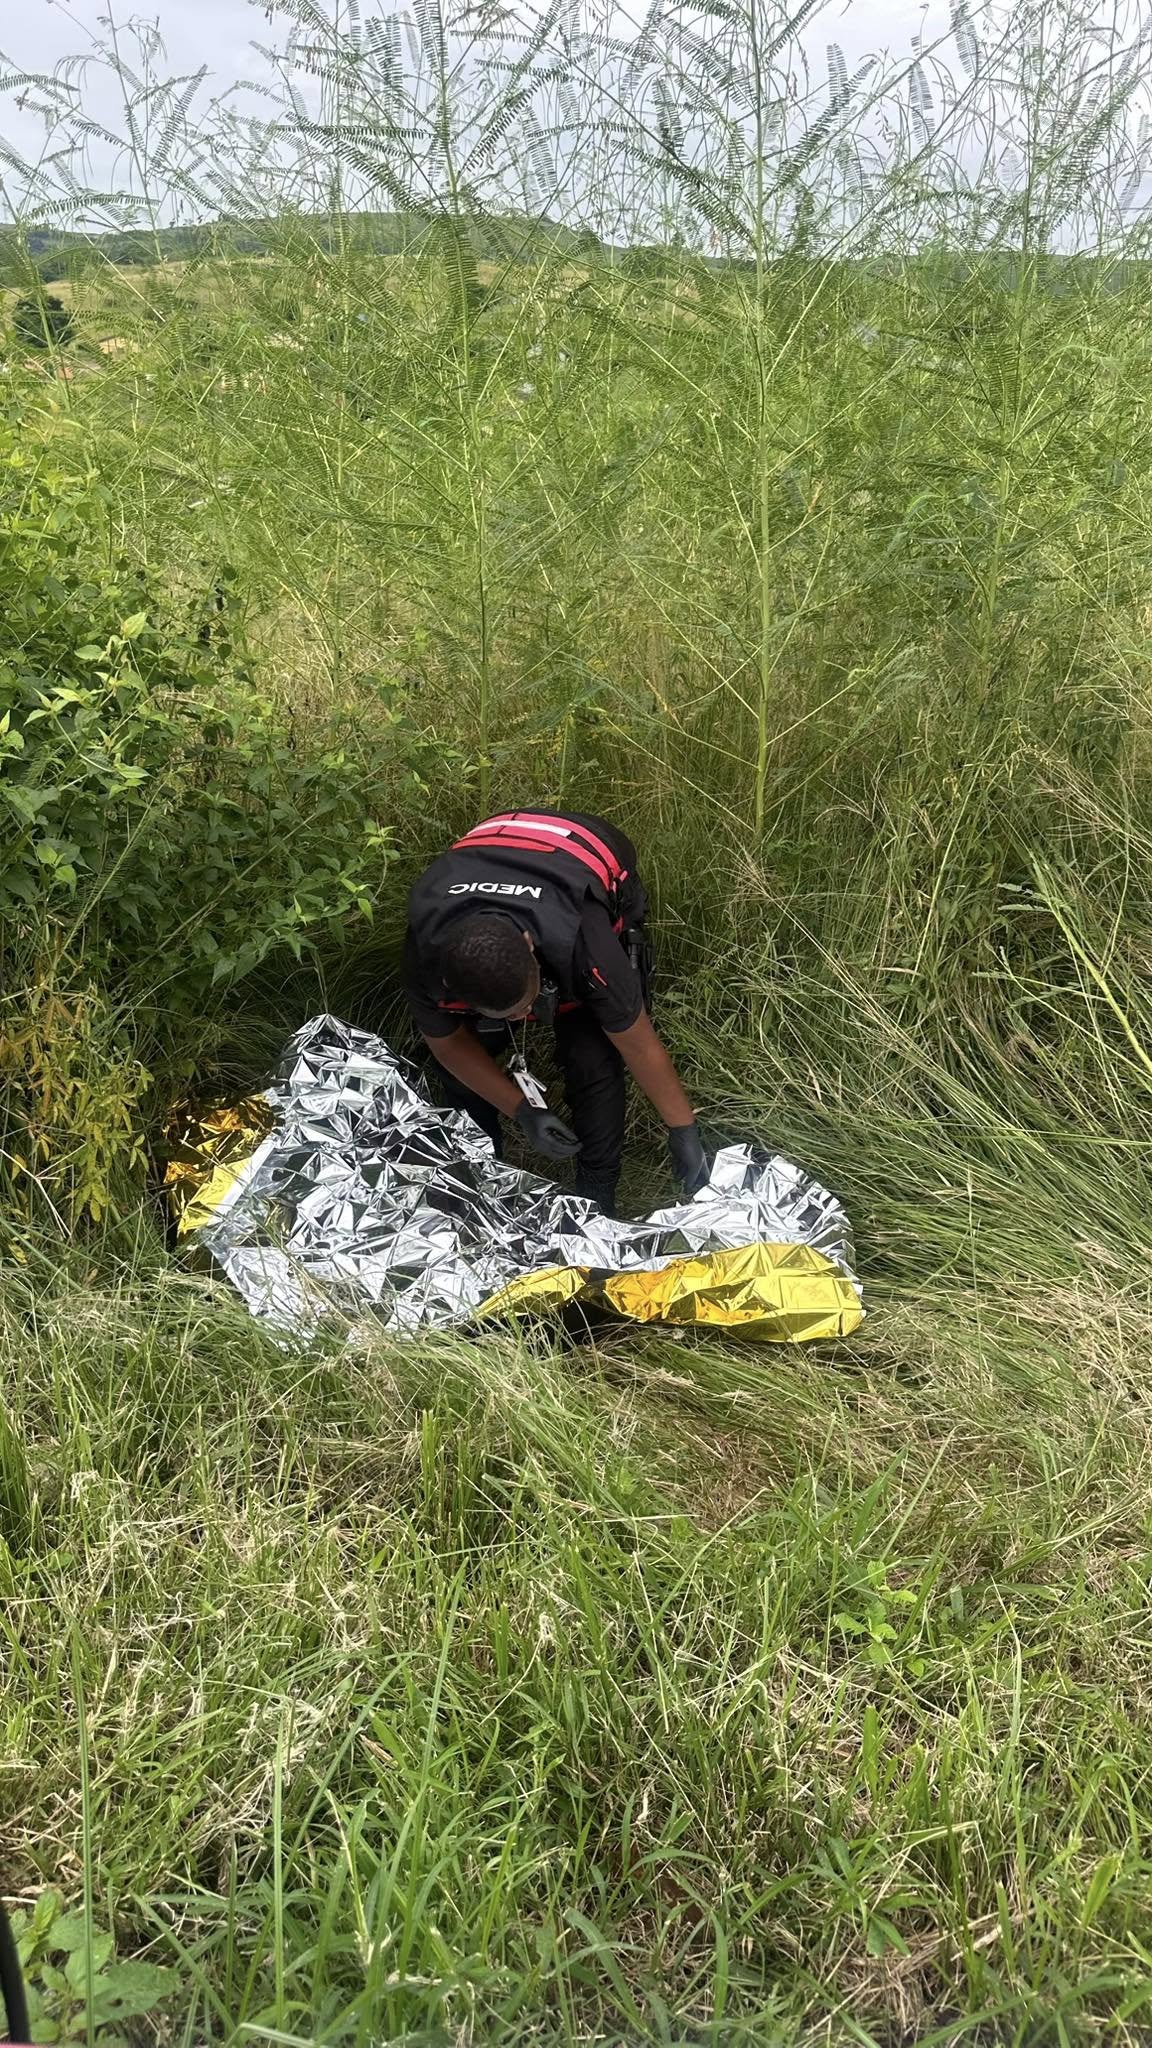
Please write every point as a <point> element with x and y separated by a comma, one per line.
<point>488,963</point>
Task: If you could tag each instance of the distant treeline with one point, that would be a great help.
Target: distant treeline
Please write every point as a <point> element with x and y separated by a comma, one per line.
<point>51,254</point>
<point>46,255</point>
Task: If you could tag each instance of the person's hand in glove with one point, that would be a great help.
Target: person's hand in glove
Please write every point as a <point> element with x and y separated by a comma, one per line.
<point>546,1133</point>
<point>686,1151</point>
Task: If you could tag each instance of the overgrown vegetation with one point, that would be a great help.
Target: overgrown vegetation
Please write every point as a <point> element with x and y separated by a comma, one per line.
<point>648,1690</point>
<point>164,834</point>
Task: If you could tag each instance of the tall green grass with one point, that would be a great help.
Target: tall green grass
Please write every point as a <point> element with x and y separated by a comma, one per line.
<point>649,1690</point>
<point>647,1693</point>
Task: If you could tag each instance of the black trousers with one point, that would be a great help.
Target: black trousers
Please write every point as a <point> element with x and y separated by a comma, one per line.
<point>595,1090</point>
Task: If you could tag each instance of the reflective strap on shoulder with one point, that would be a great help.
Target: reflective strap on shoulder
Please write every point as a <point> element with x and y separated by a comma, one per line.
<point>530,831</point>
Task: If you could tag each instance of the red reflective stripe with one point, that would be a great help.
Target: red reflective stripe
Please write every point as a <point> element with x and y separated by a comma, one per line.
<point>536,843</point>
<point>478,842</point>
<point>465,1007</point>
<point>559,825</point>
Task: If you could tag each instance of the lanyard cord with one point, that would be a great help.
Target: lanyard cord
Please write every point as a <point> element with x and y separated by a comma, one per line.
<point>12,1983</point>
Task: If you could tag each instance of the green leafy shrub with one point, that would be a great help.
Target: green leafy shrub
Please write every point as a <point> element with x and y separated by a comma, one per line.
<point>73,1977</point>
<point>43,322</point>
<point>162,832</point>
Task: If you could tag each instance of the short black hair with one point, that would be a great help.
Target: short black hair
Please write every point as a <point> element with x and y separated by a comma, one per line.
<point>485,962</point>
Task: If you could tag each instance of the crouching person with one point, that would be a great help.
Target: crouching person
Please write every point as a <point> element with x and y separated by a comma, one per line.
<point>538,917</point>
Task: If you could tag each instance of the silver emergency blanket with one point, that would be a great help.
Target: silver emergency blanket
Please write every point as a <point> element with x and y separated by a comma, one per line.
<point>362,1196</point>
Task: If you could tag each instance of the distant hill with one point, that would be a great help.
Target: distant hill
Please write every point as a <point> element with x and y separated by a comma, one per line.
<point>53,253</point>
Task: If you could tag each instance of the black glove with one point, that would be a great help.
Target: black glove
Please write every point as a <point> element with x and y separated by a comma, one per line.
<point>545,1132</point>
<point>686,1151</point>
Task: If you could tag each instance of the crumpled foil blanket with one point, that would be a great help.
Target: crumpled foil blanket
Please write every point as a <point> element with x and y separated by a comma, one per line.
<point>343,1191</point>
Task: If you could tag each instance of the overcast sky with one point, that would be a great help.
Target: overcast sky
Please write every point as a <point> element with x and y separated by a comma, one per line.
<point>35,35</point>
<point>219,32</point>
<point>38,33</point>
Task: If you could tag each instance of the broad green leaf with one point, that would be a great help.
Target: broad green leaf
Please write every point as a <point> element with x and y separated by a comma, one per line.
<point>69,1932</point>
<point>76,1968</point>
<point>129,1990</point>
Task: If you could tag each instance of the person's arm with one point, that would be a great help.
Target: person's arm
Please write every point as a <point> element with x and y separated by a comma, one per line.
<point>651,1068</point>
<point>644,1054</point>
<point>462,1054</point>
<point>465,1058</point>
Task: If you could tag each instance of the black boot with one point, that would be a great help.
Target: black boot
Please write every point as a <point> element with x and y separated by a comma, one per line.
<point>599,1188</point>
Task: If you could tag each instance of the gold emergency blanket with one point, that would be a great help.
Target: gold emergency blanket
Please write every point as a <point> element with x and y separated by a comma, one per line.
<point>343,1191</point>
